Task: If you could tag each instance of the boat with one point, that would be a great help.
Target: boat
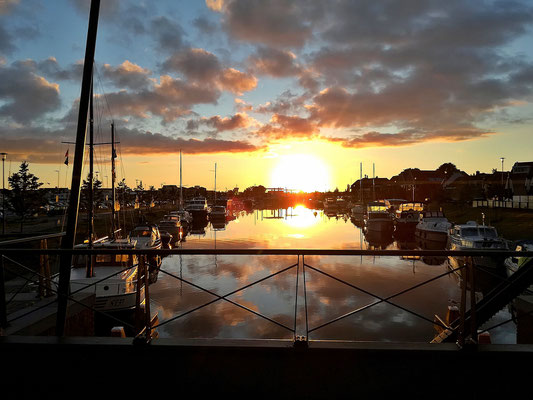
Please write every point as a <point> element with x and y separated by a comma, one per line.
<point>358,211</point>
<point>393,204</point>
<point>524,302</point>
<point>378,218</point>
<point>472,236</point>
<point>433,226</point>
<point>217,213</point>
<point>197,207</point>
<point>172,224</point>
<point>342,205</point>
<point>330,205</point>
<point>166,239</point>
<point>407,216</point>
<point>148,237</point>
<point>184,216</point>
<point>113,279</point>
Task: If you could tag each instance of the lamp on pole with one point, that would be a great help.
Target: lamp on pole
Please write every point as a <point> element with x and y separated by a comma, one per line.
<point>501,159</point>
<point>4,156</point>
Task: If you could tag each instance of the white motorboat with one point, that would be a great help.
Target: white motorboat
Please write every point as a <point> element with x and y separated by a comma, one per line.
<point>146,237</point>
<point>114,276</point>
<point>433,226</point>
<point>378,218</point>
<point>185,217</point>
<point>471,236</point>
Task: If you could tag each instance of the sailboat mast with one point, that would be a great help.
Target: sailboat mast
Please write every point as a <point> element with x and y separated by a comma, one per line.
<point>113,177</point>
<point>181,187</point>
<point>361,181</point>
<point>89,271</point>
<point>68,241</point>
<point>215,184</point>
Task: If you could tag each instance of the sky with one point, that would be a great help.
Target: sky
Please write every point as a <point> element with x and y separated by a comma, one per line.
<point>284,93</point>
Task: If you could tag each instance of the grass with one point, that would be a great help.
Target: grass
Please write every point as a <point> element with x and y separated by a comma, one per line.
<point>512,224</point>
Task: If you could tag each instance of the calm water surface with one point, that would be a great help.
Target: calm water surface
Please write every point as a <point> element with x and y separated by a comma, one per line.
<point>360,281</point>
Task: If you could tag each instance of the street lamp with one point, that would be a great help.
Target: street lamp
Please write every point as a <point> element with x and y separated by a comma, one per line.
<point>501,159</point>
<point>4,156</point>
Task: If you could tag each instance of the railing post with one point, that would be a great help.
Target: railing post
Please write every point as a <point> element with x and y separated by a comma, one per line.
<point>461,335</point>
<point>473,322</point>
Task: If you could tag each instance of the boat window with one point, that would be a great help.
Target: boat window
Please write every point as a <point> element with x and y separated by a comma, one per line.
<point>143,233</point>
<point>103,258</point>
<point>488,232</point>
<point>469,232</point>
<point>121,258</point>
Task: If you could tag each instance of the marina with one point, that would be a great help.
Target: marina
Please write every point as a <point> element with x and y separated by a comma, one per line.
<point>295,280</point>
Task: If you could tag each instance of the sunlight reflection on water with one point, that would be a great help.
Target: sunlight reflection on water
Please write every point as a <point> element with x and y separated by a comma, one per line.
<point>365,280</point>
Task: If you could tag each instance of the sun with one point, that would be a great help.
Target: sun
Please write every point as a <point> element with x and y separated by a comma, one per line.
<point>301,172</point>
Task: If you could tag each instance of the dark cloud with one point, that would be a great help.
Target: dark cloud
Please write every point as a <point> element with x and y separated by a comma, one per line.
<point>274,62</point>
<point>6,6</point>
<point>108,8</point>
<point>6,42</point>
<point>274,23</point>
<point>26,96</point>
<point>170,99</point>
<point>167,33</point>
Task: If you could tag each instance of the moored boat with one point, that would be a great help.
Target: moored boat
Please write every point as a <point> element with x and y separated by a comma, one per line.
<point>378,218</point>
<point>471,236</point>
<point>406,217</point>
<point>197,207</point>
<point>433,226</point>
<point>113,279</point>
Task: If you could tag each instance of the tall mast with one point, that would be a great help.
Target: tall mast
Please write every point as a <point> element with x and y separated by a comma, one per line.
<point>215,184</point>
<point>89,271</point>
<point>113,177</point>
<point>67,242</point>
<point>361,181</point>
<point>181,187</point>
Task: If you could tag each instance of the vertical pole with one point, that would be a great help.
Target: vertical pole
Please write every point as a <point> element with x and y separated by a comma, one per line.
<point>3,306</point>
<point>296,299</point>
<point>3,194</point>
<point>89,271</point>
<point>69,239</point>
<point>181,186</point>
<point>473,322</point>
<point>361,182</point>
<point>464,277</point>
<point>113,177</point>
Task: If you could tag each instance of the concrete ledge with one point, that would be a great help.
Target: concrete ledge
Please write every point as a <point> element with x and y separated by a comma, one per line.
<point>262,368</point>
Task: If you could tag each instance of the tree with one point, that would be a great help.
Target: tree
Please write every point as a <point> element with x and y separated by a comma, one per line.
<point>98,195</point>
<point>24,198</point>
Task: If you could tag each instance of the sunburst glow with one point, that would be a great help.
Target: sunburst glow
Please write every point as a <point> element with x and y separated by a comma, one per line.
<point>302,172</point>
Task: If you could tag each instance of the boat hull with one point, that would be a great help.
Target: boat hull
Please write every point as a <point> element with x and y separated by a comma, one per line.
<point>432,236</point>
<point>379,225</point>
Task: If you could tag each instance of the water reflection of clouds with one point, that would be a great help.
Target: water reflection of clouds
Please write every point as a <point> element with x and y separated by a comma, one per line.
<point>275,297</point>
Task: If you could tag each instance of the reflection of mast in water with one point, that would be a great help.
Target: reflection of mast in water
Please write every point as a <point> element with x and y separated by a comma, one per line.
<point>181,276</point>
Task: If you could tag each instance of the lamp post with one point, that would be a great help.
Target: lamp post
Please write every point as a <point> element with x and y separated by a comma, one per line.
<point>4,156</point>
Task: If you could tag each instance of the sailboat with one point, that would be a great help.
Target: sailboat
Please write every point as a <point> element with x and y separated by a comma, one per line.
<point>111,277</point>
<point>184,216</point>
<point>217,212</point>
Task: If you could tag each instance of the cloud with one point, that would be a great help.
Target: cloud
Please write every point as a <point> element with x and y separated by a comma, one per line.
<point>274,62</point>
<point>137,142</point>
<point>273,23</point>
<point>7,5</point>
<point>221,124</point>
<point>108,8</point>
<point>167,33</point>
<point>284,127</point>
<point>410,137</point>
<point>26,95</point>
<point>169,99</point>
<point>204,68</point>
<point>6,42</point>
<point>128,75</point>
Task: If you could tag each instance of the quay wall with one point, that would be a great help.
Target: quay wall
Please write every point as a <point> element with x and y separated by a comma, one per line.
<point>260,369</point>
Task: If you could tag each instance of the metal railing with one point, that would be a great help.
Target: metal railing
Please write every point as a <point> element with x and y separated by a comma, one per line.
<point>144,326</point>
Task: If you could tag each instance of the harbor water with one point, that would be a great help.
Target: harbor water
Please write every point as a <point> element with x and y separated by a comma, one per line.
<point>370,293</point>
